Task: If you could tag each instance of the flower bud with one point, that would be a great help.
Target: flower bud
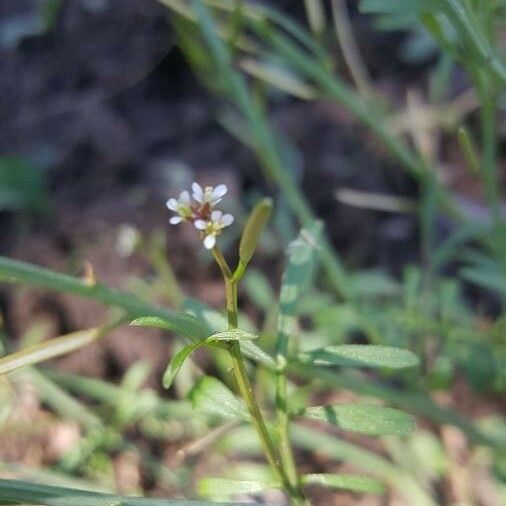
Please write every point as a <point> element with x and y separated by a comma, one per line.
<point>254,227</point>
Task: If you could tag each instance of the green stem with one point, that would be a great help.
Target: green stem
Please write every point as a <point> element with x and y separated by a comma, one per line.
<point>283,424</point>
<point>489,126</point>
<point>246,389</point>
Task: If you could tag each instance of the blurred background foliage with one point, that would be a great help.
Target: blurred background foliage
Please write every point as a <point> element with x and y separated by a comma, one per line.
<point>382,118</point>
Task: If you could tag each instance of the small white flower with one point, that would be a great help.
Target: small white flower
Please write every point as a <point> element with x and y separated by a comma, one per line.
<point>209,195</point>
<point>213,228</point>
<point>182,207</point>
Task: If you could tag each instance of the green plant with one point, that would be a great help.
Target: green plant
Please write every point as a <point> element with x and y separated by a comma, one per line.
<point>260,399</point>
<point>211,396</point>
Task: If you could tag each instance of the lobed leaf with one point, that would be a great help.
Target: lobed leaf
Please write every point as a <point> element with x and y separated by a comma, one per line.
<point>211,396</point>
<point>361,355</point>
<point>368,419</point>
<point>361,484</point>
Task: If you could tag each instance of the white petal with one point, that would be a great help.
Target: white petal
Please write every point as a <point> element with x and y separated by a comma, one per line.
<point>216,215</point>
<point>184,198</point>
<point>210,241</point>
<point>175,220</point>
<point>219,191</point>
<point>200,224</point>
<point>198,192</point>
<point>172,204</point>
<point>227,220</point>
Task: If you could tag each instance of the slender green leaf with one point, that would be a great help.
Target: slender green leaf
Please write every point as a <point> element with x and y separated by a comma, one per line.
<point>177,362</point>
<point>154,322</point>
<point>301,260</point>
<point>486,278</point>
<point>469,150</point>
<point>362,355</point>
<point>417,402</point>
<point>14,271</point>
<point>361,484</point>
<point>215,321</point>
<point>279,77</point>
<point>22,492</point>
<point>48,349</point>
<point>252,351</point>
<point>232,335</point>
<point>211,396</point>
<point>222,488</point>
<point>339,449</point>
<point>368,419</point>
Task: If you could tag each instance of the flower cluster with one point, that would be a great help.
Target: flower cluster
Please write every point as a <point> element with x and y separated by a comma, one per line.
<point>199,209</point>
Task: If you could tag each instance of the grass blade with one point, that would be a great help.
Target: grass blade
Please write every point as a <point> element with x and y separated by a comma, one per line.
<point>14,271</point>
<point>222,488</point>
<point>337,448</point>
<point>22,492</point>
<point>350,482</point>
<point>49,349</point>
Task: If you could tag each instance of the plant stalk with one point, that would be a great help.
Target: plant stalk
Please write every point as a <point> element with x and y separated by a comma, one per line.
<point>246,389</point>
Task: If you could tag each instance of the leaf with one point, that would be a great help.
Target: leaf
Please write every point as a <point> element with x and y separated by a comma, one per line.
<point>222,488</point>
<point>153,322</point>
<point>214,321</point>
<point>14,271</point>
<point>301,260</point>
<point>414,401</point>
<point>278,77</point>
<point>48,349</point>
<point>337,448</point>
<point>489,279</point>
<point>345,482</point>
<point>177,362</point>
<point>252,351</point>
<point>22,492</point>
<point>182,322</point>
<point>211,396</point>
<point>232,335</point>
<point>362,355</point>
<point>368,419</point>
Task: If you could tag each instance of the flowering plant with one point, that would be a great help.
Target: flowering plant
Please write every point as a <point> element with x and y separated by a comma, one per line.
<point>201,212</point>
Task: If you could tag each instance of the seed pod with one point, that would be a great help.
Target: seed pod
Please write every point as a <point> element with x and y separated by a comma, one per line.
<point>254,227</point>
